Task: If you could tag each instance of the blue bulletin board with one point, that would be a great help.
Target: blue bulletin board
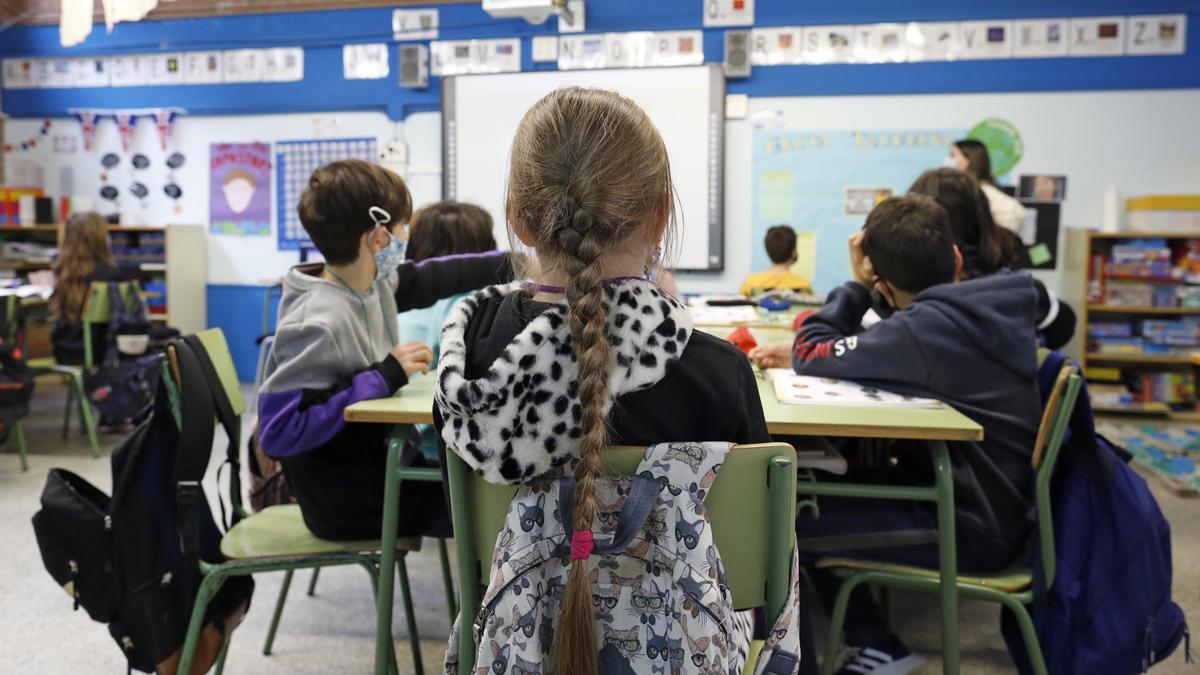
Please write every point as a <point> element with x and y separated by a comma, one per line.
<point>825,182</point>
<point>294,163</point>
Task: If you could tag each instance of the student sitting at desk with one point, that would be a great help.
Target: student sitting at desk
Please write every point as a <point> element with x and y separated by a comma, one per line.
<point>970,344</point>
<point>781,249</point>
<point>85,258</point>
<point>337,345</point>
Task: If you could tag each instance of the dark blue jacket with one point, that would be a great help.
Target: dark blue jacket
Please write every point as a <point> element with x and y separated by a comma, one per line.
<point>972,345</point>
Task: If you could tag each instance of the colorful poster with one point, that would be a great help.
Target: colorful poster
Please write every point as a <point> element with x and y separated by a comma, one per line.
<point>240,189</point>
<point>823,182</point>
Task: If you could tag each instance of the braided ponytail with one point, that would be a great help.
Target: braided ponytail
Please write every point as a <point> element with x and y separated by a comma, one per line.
<point>589,179</point>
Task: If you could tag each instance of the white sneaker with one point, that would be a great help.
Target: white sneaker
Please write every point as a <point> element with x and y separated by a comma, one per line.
<point>888,656</point>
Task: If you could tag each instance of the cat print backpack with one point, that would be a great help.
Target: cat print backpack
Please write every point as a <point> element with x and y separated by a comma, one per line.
<point>660,597</point>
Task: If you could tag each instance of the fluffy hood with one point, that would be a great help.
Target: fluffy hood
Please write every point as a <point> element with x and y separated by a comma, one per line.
<point>521,418</point>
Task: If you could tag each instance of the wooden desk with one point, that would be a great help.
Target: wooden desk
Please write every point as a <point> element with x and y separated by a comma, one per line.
<point>414,405</point>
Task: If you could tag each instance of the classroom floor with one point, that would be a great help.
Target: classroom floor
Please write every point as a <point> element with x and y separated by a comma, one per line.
<point>333,632</point>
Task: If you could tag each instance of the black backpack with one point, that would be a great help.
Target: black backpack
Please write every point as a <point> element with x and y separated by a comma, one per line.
<point>16,379</point>
<point>132,561</point>
<point>122,387</point>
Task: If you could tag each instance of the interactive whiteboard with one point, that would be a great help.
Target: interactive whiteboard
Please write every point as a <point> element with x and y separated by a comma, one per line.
<point>480,114</point>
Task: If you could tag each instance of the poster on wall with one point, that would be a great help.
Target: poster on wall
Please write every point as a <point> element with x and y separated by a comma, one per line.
<point>294,163</point>
<point>239,200</point>
<point>824,182</point>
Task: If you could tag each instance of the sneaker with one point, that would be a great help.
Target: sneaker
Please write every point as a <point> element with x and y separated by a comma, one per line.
<point>887,656</point>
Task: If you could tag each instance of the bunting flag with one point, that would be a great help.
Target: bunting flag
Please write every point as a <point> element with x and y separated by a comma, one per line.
<point>87,123</point>
<point>32,141</point>
<point>164,121</point>
<point>126,122</point>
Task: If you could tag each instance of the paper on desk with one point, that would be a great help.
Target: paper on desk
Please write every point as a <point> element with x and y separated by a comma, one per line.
<point>794,389</point>
<point>724,316</point>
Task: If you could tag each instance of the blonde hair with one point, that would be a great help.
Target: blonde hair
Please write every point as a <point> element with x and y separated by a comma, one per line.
<point>588,171</point>
<point>84,247</point>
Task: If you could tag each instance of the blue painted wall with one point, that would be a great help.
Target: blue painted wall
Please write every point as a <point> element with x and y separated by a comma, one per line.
<point>237,310</point>
<point>322,34</point>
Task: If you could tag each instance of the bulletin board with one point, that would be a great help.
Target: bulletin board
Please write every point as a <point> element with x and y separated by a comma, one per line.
<point>295,162</point>
<point>825,182</point>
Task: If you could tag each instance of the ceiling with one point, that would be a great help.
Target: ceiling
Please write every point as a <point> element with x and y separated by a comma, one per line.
<point>47,11</point>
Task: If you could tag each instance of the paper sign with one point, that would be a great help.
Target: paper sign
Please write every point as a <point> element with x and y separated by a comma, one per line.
<point>240,189</point>
<point>1156,34</point>
<point>880,43</point>
<point>1097,36</point>
<point>829,44</point>
<point>283,64</point>
<point>777,196</point>
<point>860,200</point>
<point>776,46</point>
<point>203,67</point>
<point>243,65</point>
<point>985,39</point>
<point>628,50</point>
<point>1040,38</point>
<point>56,73</point>
<point>92,72</point>
<point>677,48</point>
<point>365,62</point>
<point>1039,254</point>
<point>581,52</point>
<point>728,12</point>
<point>805,266</point>
<point>462,57</point>
<point>414,24</point>
<point>128,71</point>
<point>544,49</point>
<point>164,69</point>
<point>19,74</point>
<point>938,41</point>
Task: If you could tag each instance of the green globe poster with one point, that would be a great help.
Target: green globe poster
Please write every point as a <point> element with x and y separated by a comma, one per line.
<point>1003,142</point>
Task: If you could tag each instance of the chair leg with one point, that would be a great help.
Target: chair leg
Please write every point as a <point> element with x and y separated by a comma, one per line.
<point>837,623</point>
<point>224,654</point>
<point>1028,633</point>
<point>279,602</point>
<point>85,410</point>
<point>208,588</point>
<point>385,652</point>
<point>66,425</point>
<point>312,583</point>
<point>19,430</point>
<point>887,605</point>
<point>410,617</point>
<point>447,580</point>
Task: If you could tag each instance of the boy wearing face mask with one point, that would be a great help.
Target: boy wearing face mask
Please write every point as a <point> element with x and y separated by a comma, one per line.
<point>336,344</point>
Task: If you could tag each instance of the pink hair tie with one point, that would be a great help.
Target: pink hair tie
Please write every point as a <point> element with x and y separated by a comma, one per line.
<point>581,545</point>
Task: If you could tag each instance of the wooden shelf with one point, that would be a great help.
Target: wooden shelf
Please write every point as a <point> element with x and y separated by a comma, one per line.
<point>1184,416</point>
<point>1144,235</point>
<point>1129,278</point>
<point>1134,409</point>
<point>1149,359</point>
<point>1133,309</point>
<point>31,228</point>
<point>24,266</point>
<point>55,228</point>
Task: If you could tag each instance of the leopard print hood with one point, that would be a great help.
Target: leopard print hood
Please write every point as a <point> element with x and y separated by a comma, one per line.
<point>521,420</point>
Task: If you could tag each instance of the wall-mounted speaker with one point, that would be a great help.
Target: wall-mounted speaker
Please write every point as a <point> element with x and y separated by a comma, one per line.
<point>414,66</point>
<point>737,54</point>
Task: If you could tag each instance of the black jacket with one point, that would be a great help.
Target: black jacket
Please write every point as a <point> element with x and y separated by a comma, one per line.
<point>67,336</point>
<point>970,344</point>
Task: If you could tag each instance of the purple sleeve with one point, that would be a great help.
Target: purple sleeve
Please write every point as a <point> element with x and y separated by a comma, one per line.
<point>292,422</point>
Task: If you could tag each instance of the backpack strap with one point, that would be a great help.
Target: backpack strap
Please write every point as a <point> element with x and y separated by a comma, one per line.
<point>224,410</point>
<point>195,448</point>
<point>643,494</point>
<point>690,466</point>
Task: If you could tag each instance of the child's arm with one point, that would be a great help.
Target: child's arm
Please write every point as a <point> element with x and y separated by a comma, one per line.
<point>424,283</point>
<point>827,344</point>
<point>297,410</point>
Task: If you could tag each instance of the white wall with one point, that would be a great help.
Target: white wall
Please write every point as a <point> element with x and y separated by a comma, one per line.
<point>1142,141</point>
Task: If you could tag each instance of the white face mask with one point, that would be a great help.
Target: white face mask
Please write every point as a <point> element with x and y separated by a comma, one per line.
<point>949,163</point>
<point>389,257</point>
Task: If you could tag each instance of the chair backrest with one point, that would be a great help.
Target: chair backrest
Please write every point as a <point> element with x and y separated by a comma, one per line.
<point>1056,416</point>
<point>97,308</point>
<point>10,316</point>
<point>752,507</point>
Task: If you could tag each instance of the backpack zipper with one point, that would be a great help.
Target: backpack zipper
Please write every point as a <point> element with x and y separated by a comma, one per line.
<point>490,608</point>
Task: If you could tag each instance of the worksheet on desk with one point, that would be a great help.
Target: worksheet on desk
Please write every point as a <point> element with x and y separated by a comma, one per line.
<point>794,389</point>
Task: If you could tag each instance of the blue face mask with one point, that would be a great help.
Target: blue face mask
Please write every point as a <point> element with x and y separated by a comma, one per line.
<point>389,257</point>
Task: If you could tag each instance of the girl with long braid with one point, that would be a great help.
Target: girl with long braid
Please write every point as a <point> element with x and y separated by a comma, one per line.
<point>538,378</point>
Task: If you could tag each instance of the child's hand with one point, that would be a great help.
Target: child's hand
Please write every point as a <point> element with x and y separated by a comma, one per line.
<point>414,357</point>
<point>860,263</point>
<point>772,355</point>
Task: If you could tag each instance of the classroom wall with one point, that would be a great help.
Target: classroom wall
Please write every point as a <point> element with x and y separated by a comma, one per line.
<point>1126,107</point>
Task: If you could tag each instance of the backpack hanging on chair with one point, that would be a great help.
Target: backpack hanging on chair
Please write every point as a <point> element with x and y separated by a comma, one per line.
<point>660,597</point>
<point>133,561</point>
<point>122,386</point>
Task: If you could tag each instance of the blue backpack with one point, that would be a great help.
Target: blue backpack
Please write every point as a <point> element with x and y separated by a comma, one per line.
<point>1109,611</point>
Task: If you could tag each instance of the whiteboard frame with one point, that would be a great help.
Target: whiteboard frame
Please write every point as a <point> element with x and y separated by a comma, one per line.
<point>716,154</point>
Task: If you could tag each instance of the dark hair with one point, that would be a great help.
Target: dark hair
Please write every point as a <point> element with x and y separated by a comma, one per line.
<point>334,209</point>
<point>449,228</point>
<point>781,244</point>
<point>909,242</point>
<point>979,164</point>
<point>975,232</point>
<point>588,173</point>
<point>84,247</point>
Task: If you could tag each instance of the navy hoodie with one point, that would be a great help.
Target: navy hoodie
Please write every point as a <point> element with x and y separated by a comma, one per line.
<point>972,345</point>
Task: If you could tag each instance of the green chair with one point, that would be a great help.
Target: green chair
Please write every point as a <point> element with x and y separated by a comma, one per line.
<point>751,505</point>
<point>1011,588</point>
<point>275,539</point>
<point>10,318</point>
<point>97,308</point>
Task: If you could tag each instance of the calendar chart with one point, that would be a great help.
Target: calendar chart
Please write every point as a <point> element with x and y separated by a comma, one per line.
<point>295,162</point>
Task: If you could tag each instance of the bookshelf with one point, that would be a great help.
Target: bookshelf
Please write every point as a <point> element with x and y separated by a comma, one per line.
<point>1135,311</point>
